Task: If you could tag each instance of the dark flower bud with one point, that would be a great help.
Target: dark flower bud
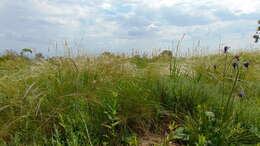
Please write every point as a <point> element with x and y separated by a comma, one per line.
<point>241,94</point>
<point>237,57</point>
<point>226,48</point>
<point>235,64</point>
<point>215,66</point>
<point>246,64</point>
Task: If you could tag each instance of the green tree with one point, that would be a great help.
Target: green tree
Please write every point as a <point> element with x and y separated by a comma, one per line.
<point>257,35</point>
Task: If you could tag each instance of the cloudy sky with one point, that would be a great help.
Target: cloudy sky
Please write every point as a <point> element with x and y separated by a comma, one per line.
<point>120,25</point>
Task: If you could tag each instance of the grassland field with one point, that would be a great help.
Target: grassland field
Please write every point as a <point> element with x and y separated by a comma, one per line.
<point>114,100</point>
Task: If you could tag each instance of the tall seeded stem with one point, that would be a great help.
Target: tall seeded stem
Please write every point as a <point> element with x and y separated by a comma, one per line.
<point>224,76</point>
<point>173,70</point>
<point>229,103</point>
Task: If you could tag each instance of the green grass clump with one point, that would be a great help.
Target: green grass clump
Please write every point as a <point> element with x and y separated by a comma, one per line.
<point>116,100</point>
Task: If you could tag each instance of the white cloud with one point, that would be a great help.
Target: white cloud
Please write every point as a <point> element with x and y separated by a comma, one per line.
<point>160,3</point>
<point>236,6</point>
<point>58,8</point>
<point>107,6</point>
<point>126,23</point>
<point>239,6</point>
<point>62,21</point>
<point>152,27</point>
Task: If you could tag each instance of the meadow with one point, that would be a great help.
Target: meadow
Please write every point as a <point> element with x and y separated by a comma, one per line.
<point>211,100</point>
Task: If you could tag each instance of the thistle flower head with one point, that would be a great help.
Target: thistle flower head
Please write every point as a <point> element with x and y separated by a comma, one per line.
<point>226,48</point>
<point>246,64</point>
<point>237,57</point>
<point>235,64</point>
<point>241,94</point>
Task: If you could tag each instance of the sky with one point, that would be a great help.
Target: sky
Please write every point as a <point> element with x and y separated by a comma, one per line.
<point>121,25</point>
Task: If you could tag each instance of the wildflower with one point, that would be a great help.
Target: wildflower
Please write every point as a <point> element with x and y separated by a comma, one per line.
<point>246,64</point>
<point>241,94</point>
<point>226,48</point>
<point>237,57</point>
<point>215,66</point>
<point>235,64</point>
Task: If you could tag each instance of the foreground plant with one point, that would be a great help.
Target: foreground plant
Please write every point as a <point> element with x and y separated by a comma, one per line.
<point>117,100</point>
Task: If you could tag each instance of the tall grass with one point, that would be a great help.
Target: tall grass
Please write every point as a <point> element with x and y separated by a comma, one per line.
<point>116,100</point>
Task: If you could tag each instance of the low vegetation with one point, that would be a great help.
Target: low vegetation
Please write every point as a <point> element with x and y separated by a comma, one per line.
<point>118,100</point>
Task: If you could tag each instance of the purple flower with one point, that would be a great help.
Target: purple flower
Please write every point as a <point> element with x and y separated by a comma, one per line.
<point>241,94</point>
<point>246,64</point>
<point>237,57</point>
<point>235,64</point>
<point>226,48</point>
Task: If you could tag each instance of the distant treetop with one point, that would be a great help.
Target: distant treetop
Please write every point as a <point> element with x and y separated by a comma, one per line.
<point>256,36</point>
